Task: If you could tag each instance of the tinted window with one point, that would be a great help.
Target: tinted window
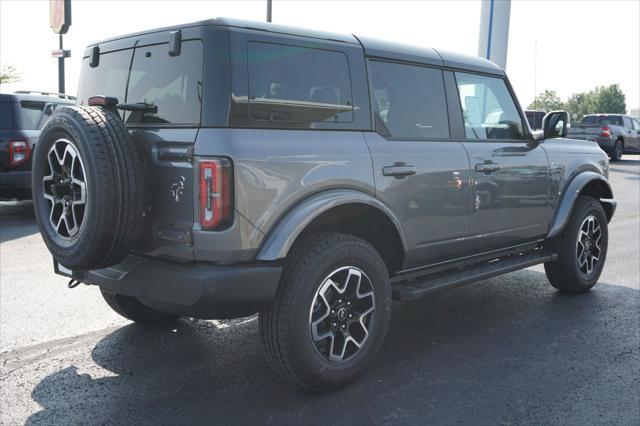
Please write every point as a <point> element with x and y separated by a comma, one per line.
<point>109,78</point>
<point>6,116</point>
<point>614,120</point>
<point>409,101</point>
<point>172,83</point>
<point>488,108</point>
<point>30,115</point>
<point>297,84</point>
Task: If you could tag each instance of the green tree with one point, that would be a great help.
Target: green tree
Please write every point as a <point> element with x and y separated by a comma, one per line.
<point>609,100</point>
<point>547,101</point>
<point>579,105</point>
<point>9,74</point>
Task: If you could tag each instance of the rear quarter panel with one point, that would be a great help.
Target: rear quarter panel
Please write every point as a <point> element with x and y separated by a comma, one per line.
<point>276,169</point>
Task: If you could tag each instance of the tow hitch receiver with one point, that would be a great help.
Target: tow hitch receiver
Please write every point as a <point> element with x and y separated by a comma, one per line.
<point>73,283</point>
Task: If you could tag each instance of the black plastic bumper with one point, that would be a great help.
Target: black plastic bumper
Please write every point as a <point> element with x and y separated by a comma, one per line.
<point>199,290</point>
<point>15,184</point>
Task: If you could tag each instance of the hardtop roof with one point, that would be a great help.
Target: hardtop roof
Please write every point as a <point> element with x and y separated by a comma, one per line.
<point>372,47</point>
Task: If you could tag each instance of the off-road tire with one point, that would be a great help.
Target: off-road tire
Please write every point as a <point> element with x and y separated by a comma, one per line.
<point>114,187</point>
<point>564,273</point>
<point>617,151</point>
<point>284,325</point>
<point>134,310</point>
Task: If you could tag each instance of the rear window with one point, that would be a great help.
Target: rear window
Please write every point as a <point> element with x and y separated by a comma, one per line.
<point>6,116</point>
<point>109,78</point>
<point>298,85</point>
<point>30,115</point>
<point>614,120</point>
<point>172,83</point>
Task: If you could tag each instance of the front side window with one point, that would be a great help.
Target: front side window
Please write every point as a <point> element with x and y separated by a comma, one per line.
<point>173,84</point>
<point>636,124</point>
<point>409,101</point>
<point>488,108</point>
<point>297,84</point>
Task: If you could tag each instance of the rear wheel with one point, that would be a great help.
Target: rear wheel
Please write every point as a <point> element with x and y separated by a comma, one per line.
<point>581,248</point>
<point>331,312</point>
<point>618,150</point>
<point>134,310</point>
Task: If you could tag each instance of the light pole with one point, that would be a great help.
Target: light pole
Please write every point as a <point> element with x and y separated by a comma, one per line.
<point>268,10</point>
<point>535,74</point>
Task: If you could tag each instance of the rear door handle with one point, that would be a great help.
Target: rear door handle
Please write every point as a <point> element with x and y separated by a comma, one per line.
<point>397,171</point>
<point>488,167</point>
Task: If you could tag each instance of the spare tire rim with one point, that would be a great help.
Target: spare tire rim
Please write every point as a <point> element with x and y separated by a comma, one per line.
<point>64,186</point>
<point>342,313</point>
<point>588,249</point>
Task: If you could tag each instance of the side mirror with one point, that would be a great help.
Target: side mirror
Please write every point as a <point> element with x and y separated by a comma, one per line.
<point>556,124</point>
<point>538,135</point>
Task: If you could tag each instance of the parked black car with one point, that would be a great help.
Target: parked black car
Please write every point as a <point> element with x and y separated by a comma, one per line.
<point>22,115</point>
<point>224,167</point>
<point>615,133</point>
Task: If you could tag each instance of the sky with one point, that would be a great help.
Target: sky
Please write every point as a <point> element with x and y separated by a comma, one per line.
<point>580,44</point>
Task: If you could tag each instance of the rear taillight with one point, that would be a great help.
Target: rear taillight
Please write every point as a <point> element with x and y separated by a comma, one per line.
<point>18,152</point>
<point>215,194</point>
<point>605,132</point>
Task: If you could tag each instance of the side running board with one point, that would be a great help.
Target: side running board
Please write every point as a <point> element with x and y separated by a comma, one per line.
<point>415,288</point>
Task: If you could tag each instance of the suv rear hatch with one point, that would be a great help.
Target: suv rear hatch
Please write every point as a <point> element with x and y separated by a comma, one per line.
<point>144,72</point>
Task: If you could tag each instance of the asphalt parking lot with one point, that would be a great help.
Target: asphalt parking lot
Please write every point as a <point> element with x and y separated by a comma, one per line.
<point>507,350</point>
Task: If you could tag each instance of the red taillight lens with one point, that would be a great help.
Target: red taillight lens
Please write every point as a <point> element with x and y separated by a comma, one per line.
<point>18,152</point>
<point>215,193</point>
<point>605,132</point>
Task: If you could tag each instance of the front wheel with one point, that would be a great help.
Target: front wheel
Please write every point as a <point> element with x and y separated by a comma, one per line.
<point>581,248</point>
<point>330,314</point>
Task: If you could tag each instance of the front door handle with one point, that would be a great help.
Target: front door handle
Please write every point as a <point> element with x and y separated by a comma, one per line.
<point>399,170</point>
<point>488,167</point>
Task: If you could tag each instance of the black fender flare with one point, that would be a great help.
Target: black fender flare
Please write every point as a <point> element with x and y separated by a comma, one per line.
<point>573,189</point>
<point>282,236</point>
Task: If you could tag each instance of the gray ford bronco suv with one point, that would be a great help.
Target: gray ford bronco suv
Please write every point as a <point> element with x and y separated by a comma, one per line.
<point>223,168</point>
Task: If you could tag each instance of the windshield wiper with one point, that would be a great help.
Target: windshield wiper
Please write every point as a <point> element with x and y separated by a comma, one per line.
<point>138,106</point>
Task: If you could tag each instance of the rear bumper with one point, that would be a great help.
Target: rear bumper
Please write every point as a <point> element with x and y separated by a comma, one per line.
<point>15,184</point>
<point>199,290</point>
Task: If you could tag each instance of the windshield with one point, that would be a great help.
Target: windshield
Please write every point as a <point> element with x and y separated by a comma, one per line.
<point>615,120</point>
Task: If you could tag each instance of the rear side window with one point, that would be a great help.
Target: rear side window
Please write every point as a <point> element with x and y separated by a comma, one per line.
<point>409,101</point>
<point>172,83</point>
<point>488,108</point>
<point>297,85</point>
<point>109,78</point>
<point>6,115</point>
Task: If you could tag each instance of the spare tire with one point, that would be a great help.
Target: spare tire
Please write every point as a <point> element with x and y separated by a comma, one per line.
<point>88,187</point>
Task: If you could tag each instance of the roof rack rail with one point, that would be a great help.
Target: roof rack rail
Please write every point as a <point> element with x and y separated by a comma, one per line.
<point>60,95</point>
